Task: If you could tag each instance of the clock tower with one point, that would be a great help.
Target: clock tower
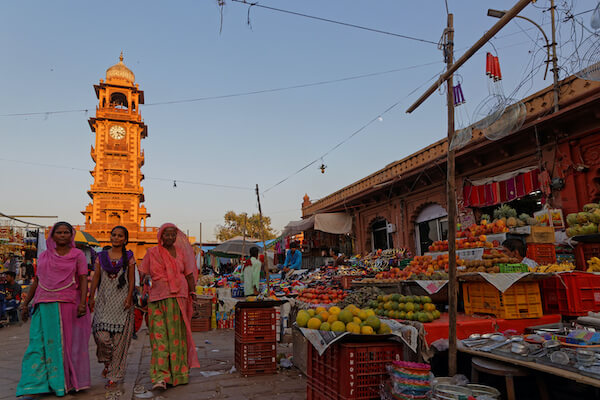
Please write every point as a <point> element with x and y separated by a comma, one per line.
<point>116,192</point>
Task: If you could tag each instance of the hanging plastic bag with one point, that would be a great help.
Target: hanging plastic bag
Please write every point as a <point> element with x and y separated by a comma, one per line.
<point>595,20</point>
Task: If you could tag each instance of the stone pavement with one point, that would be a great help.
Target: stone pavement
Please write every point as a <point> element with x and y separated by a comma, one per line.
<point>216,353</point>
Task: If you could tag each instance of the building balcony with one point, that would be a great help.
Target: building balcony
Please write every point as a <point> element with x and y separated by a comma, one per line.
<point>118,113</point>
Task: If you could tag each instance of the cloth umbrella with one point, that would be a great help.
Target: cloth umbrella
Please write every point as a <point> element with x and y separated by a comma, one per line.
<point>84,238</point>
<point>234,247</point>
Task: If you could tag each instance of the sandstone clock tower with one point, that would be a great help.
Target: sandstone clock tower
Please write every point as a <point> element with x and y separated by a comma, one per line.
<point>116,192</point>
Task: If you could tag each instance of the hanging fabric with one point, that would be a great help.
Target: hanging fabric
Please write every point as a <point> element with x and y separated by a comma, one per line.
<point>497,192</point>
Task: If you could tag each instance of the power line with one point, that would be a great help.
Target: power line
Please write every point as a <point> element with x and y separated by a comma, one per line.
<point>148,178</point>
<point>43,113</point>
<point>356,132</point>
<point>334,22</point>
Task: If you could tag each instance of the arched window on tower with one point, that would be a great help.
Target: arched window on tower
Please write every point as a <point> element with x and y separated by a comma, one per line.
<point>133,105</point>
<point>119,101</point>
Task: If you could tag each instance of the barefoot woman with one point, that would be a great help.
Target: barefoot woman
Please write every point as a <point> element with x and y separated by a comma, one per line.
<point>172,269</point>
<point>57,358</point>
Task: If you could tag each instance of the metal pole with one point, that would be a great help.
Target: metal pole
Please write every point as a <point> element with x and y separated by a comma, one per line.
<point>510,14</point>
<point>451,200</point>
<point>554,58</point>
<point>262,234</point>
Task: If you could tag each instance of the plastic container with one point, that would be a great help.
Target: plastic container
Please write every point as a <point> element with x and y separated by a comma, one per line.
<point>256,324</point>
<point>571,293</point>
<point>542,254</point>
<point>585,251</point>
<point>255,358</point>
<point>510,268</point>
<point>521,300</point>
<point>349,371</point>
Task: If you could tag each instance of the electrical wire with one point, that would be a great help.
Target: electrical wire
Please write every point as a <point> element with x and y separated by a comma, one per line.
<point>334,22</point>
<point>356,132</point>
<point>38,164</point>
<point>43,113</point>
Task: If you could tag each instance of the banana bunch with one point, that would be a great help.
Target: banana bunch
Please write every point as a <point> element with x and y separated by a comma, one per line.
<point>593,264</point>
<point>562,267</point>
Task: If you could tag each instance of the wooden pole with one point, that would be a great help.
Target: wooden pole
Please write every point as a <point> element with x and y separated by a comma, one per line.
<point>554,58</point>
<point>510,14</point>
<point>262,234</point>
<point>244,238</point>
<point>451,200</point>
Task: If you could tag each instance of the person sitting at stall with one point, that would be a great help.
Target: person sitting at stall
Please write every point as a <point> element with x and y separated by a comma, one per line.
<point>516,248</point>
<point>293,260</point>
<point>13,296</point>
<point>338,258</point>
<point>252,274</point>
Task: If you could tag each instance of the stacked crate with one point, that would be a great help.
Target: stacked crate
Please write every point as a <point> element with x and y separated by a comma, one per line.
<point>255,341</point>
<point>202,313</point>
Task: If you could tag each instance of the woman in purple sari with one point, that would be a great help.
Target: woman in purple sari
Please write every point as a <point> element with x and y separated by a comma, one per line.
<point>114,280</point>
<point>57,358</point>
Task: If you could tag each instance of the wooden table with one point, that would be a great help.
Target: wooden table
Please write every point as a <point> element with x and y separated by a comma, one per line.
<point>586,380</point>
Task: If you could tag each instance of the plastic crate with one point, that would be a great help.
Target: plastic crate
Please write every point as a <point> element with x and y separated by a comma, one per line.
<point>253,323</point>
<point>521,300</point>
<point>510,268</point>
<point>585,251</point>
<point>200,324</point>
<point>350,371</point>
<point>202,307</point>
<point>571,293</point>
<point>255,358</point>
<point>542,254</point>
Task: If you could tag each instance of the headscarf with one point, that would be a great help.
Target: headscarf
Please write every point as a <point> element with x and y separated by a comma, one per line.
<point>57,272</point>
<point>107,265</point>
<point>184,250</point>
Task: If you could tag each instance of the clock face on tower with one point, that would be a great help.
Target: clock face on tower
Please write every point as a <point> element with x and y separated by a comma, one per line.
<point>117,132</point>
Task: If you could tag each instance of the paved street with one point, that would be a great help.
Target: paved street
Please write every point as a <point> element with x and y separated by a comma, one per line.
<point>215,350</point>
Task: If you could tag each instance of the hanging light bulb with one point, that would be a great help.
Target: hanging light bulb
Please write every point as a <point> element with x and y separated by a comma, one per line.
<point>322,168</point>
<point>174,184</point>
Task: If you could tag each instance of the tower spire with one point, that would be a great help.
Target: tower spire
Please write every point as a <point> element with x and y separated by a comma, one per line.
<point>121,56</point>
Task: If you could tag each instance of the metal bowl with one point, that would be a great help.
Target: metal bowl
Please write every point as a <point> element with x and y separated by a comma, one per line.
<point>519,348</point>
<point>451,392</point>
<point>480,390</point>
<point>551,345</point>
<point>560,357</point>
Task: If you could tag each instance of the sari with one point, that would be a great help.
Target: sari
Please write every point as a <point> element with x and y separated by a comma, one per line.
<point>170,310</point>
<point>57,358</point>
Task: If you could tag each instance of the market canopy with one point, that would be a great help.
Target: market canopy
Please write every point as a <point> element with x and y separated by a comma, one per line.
<point>337,223</point>
<point>85,239</point>
<point>233,248</point>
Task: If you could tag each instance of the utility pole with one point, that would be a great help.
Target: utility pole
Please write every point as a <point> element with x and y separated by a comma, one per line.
<point>451,183</point>
<point>451,200</point>
<point>554,58</point>
<point>262,234</point>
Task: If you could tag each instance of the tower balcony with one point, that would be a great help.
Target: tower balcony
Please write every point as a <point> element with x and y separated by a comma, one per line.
<point>118,113</point>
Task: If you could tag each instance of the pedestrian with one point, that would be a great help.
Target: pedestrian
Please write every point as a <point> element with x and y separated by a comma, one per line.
<point>252,273</point>
<point>172,269</point>
<point>57,358</point>
<point>113,321</point>
<point>13,296</point>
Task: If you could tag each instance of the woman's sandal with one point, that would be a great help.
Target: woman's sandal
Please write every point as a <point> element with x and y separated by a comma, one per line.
<point>160,385</point>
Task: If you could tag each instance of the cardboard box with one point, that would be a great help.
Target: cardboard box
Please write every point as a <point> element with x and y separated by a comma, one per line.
<point>541,234</point>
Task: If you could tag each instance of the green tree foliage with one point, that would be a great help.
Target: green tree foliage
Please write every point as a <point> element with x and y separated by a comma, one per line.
<point>234,226</point>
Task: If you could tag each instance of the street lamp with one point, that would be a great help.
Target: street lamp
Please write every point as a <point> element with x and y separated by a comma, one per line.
<point>500,14</point>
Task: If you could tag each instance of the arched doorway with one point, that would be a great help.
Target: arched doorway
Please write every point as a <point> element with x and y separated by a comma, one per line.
<point>431,225</point>
<point>380,238</point>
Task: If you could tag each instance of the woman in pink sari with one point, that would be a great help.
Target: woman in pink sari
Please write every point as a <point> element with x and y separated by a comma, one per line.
<point>57,358</point>
<point>172,268</point>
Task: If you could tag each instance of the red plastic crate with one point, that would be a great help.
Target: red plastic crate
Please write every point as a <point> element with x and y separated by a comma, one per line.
<point>200,324</point>
<point>350,371</point>
<point>571,293</point>
<point>585,251</point>
<point>542,254</point>
<point>255,358</point>
<point>255,324</point>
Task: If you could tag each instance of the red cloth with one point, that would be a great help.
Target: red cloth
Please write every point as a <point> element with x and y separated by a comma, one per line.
<point>501,192</point>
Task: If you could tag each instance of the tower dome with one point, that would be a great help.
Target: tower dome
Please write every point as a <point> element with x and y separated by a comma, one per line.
<point>119,72</point>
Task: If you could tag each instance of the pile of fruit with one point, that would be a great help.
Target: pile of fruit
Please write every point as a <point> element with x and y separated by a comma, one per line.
<point>322,295</point>
<point>562,267</point>
<point>361,297</point>
<point>412,308</point>
<point>489,262</point>
<point>585,222</point>
<point>484,228</point>
<point>593,264</point>
<point>351,319</point>
<point>472,242</point>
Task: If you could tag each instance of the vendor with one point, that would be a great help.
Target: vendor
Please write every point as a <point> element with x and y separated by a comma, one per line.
<point>293,259</point>
<point>338,258</point>
<point>516,248</point>
<point>252,273</point>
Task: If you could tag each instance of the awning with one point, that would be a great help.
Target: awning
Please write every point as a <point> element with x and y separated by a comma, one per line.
<point>336,223</point>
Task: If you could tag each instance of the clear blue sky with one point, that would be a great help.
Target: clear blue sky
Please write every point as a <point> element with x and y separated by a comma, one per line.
<point>54,51</point>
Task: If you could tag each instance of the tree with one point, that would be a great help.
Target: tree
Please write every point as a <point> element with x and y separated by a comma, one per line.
<point>234,226</point>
